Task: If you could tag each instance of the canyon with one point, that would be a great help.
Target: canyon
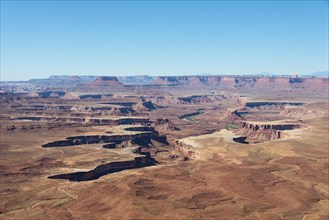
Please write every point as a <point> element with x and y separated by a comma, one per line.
<point>166,147</point>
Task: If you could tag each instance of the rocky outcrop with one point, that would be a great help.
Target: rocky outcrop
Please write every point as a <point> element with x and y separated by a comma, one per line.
<point>164,125</point>
<point>166,100</point>
<point>185,149</point>
<point>143,139</point>
<point>188,80</point>
<point>271,105</point>
<point>62,122</point>
<point>259,132</point>
<point>194,99</point>
<point>87,120</point>
<point>197,99</point>
<point>144,106</point>
<point>102,83</point>
<point>105,81</point>
<point>103,110</point>
<point>143,160</point>
<point>75,109</point>
<point>268,126</point>
<point>136,80</point>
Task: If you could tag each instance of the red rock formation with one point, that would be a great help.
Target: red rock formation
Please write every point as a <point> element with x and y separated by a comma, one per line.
<point>101,84</point>
<point>185,149</point>
<point>227,81</point>
<point>258,132</point>
<point>166,100</point>
<point>142,139</point>
<point>247,82</point>
<point>188,80</point>
<point>316,83</point>
<point>144,106</point>
<point>105,81</point>
<point>214,80</point>
<point>112,167</point>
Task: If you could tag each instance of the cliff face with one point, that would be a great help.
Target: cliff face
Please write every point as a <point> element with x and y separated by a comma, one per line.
<point>268,106</point>
<point>245,82</point>
<point>316,83</point>
<point>144,106</point>
<point>253,132</point>
<point>142,160</point>
<point>136,80</point>
<point>60,81</point>
<point>166,80</point>
<point>101,84</point>
<point>142,139</point>
<point>188,80</point>
<point>105,81</point>
<point>256,127</point>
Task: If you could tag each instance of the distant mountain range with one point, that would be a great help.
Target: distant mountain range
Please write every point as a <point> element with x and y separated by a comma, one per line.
<point>146,79</point>
<point>319,74</point>
<point>315,74</point>
<point>111,83</point>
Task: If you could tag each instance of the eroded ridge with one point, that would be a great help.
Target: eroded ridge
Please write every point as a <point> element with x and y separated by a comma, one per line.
<point>255,132</point>
<point>141,138</point>
<point>139,144</point>
<point>143,160</point>
<point>170,151</point>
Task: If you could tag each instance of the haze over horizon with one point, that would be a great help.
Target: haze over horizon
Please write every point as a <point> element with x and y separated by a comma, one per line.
<point>39,39</point>
<point>321,74</point>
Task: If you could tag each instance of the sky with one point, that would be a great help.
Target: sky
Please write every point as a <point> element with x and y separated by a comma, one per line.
<point>43,38</point>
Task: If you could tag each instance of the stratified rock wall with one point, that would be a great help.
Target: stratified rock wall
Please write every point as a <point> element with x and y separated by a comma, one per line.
<point>112,167</point>
<point>246,82</point>
<point>94,139</point>
<point>259,132</point>
<point>101,84</point>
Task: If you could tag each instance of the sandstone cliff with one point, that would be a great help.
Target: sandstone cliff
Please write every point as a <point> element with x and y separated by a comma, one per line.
<point>102,83</point>
<point>105,81</point>
<point>246,82</point>
<point>254,132</point>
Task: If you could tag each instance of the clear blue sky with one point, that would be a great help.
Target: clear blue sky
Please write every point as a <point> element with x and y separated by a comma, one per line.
<point>39,39</point>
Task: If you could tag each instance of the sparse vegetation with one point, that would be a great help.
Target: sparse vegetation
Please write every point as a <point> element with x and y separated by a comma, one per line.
<point>231,127</point>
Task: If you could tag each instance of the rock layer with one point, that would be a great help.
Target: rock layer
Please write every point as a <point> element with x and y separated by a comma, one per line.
<point>254,132</point>
<point>141,161</point>
<point>246,82</point>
